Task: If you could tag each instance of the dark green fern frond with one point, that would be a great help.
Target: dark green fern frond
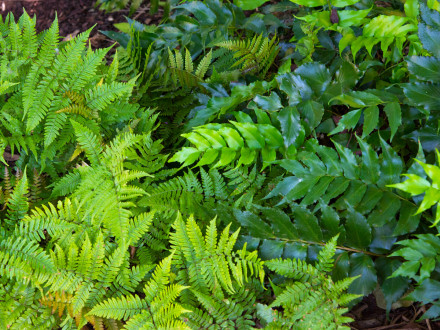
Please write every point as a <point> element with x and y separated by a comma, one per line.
<point>182,71</point>
<point>254,55</point>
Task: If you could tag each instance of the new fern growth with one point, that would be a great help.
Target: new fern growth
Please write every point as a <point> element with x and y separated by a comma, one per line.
<point>309,298</point>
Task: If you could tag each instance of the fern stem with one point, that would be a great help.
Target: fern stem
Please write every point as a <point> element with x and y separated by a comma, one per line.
<point>337,247</point>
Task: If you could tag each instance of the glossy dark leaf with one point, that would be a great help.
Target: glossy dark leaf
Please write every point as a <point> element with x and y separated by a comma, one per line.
<point>201,11</point>
<point>296,88</point>
<point>316,75</point>
<point>349,163</point>
<point>280,222</point>
<point>383,238</point>
<point>391,166</point>
<point>348,121</point>
<point>426,292</point>
<point>429,36</point>
<point>371,119</point>
<point>370,170</point>
<point>295,250</point>
<point>358,230</point>
<point>252,243</point>
<point>271,249</point>
<point>362,265</point>
<point>394,114</point>
<point>433,312</point>
<point>424,68</point>
<point>306,224</point>
<point>393,289</point>
<point>255,226</point>
<point>429,16</point>
<point>372,196</point>
<point>424,95</point>
<point>293,132</point>
<point>270,103</point>
<point>329,221</point>
<point>342,265</point>
<point>429,138</point>
<point>408,219</point>
<point>312,112</point>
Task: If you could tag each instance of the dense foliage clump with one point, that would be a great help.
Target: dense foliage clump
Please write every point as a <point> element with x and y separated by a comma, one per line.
<point>221,170</point>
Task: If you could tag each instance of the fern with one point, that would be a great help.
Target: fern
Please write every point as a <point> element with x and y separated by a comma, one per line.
<point>158,309</point>
<point>302,305</point>
<point>182,68</point>
<point>49,84</point>
<point>254,55</point>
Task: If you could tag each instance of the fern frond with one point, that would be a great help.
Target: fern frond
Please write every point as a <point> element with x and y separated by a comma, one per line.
<point>17,203</point>
<point>254,55</point>
<point>62,66</point>
<point>88,141</point>
<point>120,308</point>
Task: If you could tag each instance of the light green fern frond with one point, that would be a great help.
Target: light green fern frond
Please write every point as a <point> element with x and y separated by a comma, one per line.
<point>17,203</point>
<point>210,263</point>
<point>157,310</point>
<point>312,299</point>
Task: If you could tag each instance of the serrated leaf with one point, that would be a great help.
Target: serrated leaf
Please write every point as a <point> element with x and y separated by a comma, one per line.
<point>414,184</point>
<point>362,265</point>
<point>385,210</point>
<point>429,36</point>
<point>371,119</point>
<point>358,230</point>
<point>280,222</point>
<point>306,224</point>
<point>293,132</point>
<point>424,95</point>
<point>271,249</point>
<point>269,103</point>
<point>391,166</point>
<point>370,170</point>
<point>348,121</point>
<point>357,99</point>
<point>394,115</point>
<point>424,68</point>
<point>348,162</point>
<point>408,220</point>
<point>312,112</point>
<point>316,75</point>
<point>253,223</point>
<point>426,292</point>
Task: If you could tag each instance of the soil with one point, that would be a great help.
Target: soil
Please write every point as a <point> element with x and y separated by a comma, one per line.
<point>367,315</point>
<point>79,15</point>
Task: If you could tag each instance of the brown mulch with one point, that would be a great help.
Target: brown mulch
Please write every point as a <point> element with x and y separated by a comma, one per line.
<point>367,315</point>
<point>79,15</point>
